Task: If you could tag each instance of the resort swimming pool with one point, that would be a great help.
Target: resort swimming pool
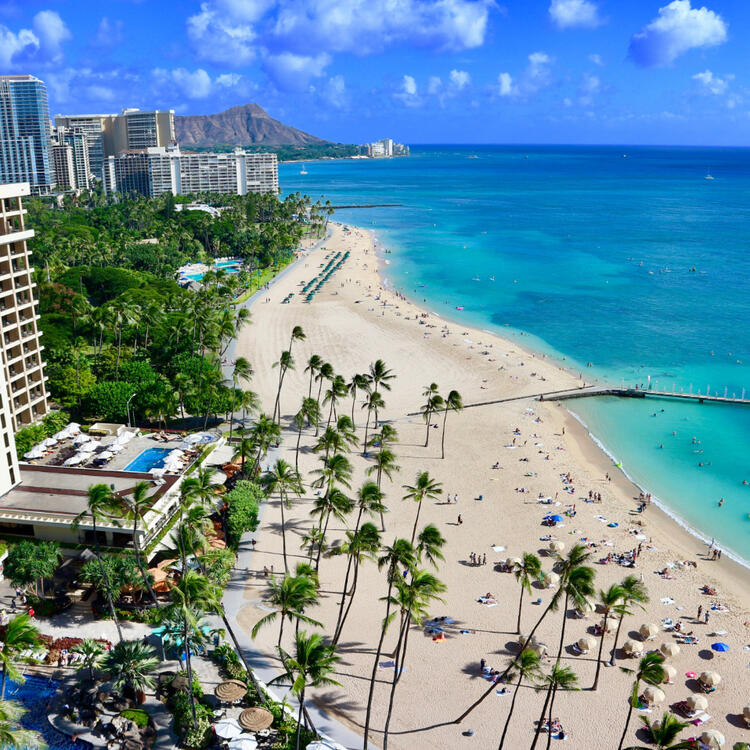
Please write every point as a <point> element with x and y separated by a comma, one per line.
<point>34,695</point>
<point>151,458</point>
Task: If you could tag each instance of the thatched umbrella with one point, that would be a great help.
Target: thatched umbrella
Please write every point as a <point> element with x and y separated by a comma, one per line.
<point>256,719</point>
<point>710,679</point>
<point>523,638</point>
<point>586,643</point>
<point>611,624</point>
<point>648,631</point>
<point>669,674</point>
<point>697,702</point>
<point>654,694</point>
<point>230,691</point>
<point>632,648</point>
<point>712,738</point>
<point>746,714</point>
<point>551,579</point>
<point>556,547</point>
<point>669,650</point>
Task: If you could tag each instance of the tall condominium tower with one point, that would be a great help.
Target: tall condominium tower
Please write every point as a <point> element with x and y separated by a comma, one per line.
<point>24,395</point>
<point>25,133</point>
<point>71,158</point>
<point>108,135</point>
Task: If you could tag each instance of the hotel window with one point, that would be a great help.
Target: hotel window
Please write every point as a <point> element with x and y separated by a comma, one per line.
<point>12,475</point>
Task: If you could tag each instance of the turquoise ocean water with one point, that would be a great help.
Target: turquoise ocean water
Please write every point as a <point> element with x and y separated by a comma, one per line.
<point>591,250</point>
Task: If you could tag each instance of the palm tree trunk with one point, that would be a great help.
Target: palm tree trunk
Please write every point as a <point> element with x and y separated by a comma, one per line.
<point>2,690</point>
<point>367,426</point>
<point>237,648</point>
<point>343,599</point>
<point>283,531</point>
<point>320,546</point>
<point>631,703</point>
<point>599,655</point>
<point>282,372</point>
<point>510,713</point>
<point>614,645</point>
<point>320,388</point>
<point>507,669</point>
<point>189,667</point>
<point>138,560</point>
<point>281,630</point>
<point>299,716</point>
<point>105,578</point>
<point>520,604</point>
<point>429,424</point>
<point>231,422</point>
<point>396,667</point>
<point>442,439</point>
<point>348,606</point>
<point>549,717</point>
<point>416,521</point>
<point>354,403</point>
<point>541,717</point>
<point>378,653</point>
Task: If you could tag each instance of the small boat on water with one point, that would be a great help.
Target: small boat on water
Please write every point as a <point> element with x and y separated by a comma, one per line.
<point>303,170</point>
<point>708,176</point>
<point>476,278</point>
<point>459,307</point>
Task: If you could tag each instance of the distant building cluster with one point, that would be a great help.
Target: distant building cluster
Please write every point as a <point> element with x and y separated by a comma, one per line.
<point>134,151</point>
<point>385,149</point>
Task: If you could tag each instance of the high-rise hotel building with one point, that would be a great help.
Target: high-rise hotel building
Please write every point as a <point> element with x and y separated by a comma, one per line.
<point>25,133</point>
<point>23,394</point>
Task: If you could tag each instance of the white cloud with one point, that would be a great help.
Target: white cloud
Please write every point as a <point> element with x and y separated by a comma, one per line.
<point>292,72</point>
<point>570,13</point>
<point>505,85</point>
<point>409,85</point>
<point>589,87</point>
<point>712,84</point>
<point>408,92</point>
<point>434,85</point>
<point>335,92</point>
<point>459,79</point>
<point>228,80</point>
<point>109,32</point>
<point>219,38</point>
<point>677,29</point>
<point>101,93</point>
<point>40,45</point>
<point>596,59</point>
<point>192,85</point>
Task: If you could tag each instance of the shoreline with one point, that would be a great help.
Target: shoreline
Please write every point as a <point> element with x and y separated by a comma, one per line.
<point>740,574</point>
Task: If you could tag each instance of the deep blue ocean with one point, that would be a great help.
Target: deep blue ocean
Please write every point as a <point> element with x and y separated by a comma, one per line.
<point>627,258</point>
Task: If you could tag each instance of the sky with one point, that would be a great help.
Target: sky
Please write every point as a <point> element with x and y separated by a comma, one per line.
<point>417,71</point>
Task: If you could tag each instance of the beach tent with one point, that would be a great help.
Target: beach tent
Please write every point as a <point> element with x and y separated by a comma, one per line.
<point>653,695</point>
<point>697,702</point>
<point>648,631</point>
<point>556,518</point>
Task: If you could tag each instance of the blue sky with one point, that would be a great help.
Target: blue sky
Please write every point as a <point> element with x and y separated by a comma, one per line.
<point>420,71</point>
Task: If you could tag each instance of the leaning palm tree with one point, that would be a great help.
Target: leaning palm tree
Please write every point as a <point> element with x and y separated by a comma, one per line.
<point>20,634</point>
<point>91,652</point>
<point>424,487</point>
<point>325,372</point>
<point>11,736</point>
<point>527,666</point>
<point>372,403</point>
<point>285,363</point>
<point>526,570</point>
<point>291,595</point>
<point>452,402</point>
<point>651,671</point>
<point>433,403</point>
<point>334,503</point>
<point>399,555</point>
<point>610,602</point>
<point>297,334</point>
<point>282,479</point>
<point>561,678</point>
<point>633,593</point>
<point>311,665</point>
<point>308,414</point>
<point>313,367</point>
<point>101,505</point>
<point>130,664</point>
<point>333,394</point>
<point>359,382</point>
<point>664,732</point>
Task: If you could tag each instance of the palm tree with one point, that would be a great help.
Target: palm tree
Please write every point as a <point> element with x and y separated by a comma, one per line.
<point>20,634</point>
<point>359,382</point>
<point>528,668</point>
<point>380,375</point>
<point>308,413</point>
<point>651,671</point>
<point>372,403</point>
<point>286,362</point>
<point>130,664</point>
<point>429,545</point>
<point>528,569</point>
<point>325,372</point>
<point>424,487</point>
<point>335,503</point>
<point>561,678</point>
<point>91,653</point>
<point>399,554</point>
<point>664,733</point>
<point>297,335</point>
<point>313,367</point>
<point>633,592</point>
<point>333,394</point>
<point>311,666</point>
<point>361,544</point>
<point>291,596</point>
<point>242,371</point>
<point>101,506</point>
<point>13,737</point>
<point>433,404</point>
<point>336,470</point>
<point>452,402</point>
<point>610,602</point>
<point>282,479</point>
<point>263,434</point>
<point>138,504</point>
<point>412,598</point>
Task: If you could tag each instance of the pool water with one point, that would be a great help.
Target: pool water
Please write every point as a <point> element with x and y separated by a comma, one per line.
<point>34,695</point>
<point>151,458</point>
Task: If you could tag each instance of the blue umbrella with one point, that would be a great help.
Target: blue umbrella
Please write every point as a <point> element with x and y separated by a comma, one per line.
<point>557,519</point>
<point>720,647</point>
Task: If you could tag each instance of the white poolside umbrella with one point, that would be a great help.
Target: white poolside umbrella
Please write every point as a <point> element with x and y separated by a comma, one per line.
<point>73,460</point>
<point>243,742</point>
<point>228,728</point>
<point>106,455</point>
<point>697,702</point>
<point>321,745</point>
<point>36,452</point>
<point>81,439</point>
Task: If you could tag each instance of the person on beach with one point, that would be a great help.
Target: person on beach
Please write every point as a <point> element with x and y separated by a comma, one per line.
<point>460,520</point>
<point>700,612</point>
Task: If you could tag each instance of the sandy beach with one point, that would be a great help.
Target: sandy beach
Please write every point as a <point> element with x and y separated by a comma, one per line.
<point>353,321</point>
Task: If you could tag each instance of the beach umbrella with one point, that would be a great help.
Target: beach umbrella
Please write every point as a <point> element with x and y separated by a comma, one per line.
<point>557,547</point>
<point>697,702</point>
<point>73,460</point>
<point>710,679</point>
<point>106,455</point>
<point>669,650</point>
<point>611,624</point>
<point>648,631</point>
<point>321,745</point>
<point>227,728</point>
<point>669,674</point>
<point>556,518</point>
<point>230,691</point>
<point>711,737</point>
<point>36,452</point>
<point>551,579</point>
<point>653,695</point>
<point>540,649</point>
<point>256,719</point>
<point>523,638</point>
<point>586,643</point>
<point>721,647</point>
<point>632,648</point>
<point>243,742</point>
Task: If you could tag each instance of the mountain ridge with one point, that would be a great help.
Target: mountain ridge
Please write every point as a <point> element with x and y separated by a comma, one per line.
<point>241,125</point>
